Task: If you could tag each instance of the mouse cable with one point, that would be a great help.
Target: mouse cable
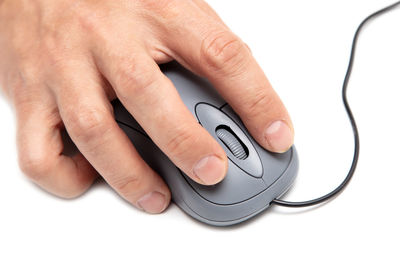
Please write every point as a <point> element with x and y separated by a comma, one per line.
<point>350,174</point>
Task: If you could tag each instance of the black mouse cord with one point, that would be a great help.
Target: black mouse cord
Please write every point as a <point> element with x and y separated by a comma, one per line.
<point>351,118</point>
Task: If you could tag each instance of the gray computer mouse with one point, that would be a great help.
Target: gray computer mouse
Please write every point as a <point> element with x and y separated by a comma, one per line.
<point>255,176</point>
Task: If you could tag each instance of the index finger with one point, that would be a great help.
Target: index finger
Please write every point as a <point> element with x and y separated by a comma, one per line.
<point>208,47</point>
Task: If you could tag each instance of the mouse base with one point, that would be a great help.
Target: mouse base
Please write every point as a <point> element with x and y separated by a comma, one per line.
<point>258,204</point>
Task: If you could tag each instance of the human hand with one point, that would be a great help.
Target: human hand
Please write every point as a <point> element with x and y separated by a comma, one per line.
<point>61,62</point>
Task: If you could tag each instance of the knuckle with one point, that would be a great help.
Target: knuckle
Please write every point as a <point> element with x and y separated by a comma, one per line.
<point>164,8</point>
<point>54,50</point>
<point>53,45</point>
<point>28,74</point>
<point>134,80</point>
<point>128,187</point>
<point>223,51</point>
<point>180,142</point>
<point>257,103</point>
<point>49,43</point>
<point>34,164</point>
<point>88,124</point>
<point>87,19</point>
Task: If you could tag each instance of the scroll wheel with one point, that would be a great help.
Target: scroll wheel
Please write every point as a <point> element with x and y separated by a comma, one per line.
<point>232,142</point>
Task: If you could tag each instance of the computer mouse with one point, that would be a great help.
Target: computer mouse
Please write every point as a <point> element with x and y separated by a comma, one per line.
<point>255,176</point>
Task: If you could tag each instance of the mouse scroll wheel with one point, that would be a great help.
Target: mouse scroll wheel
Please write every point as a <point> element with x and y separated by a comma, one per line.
<point>232,142</point>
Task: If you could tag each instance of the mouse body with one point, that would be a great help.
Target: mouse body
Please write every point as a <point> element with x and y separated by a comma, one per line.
<point>255,176</point>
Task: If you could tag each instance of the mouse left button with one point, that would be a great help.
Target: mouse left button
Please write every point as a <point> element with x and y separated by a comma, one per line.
<point>237,145</point>
<point>191,88</point>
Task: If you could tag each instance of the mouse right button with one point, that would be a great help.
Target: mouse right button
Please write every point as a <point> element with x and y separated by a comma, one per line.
<point>274,164</point>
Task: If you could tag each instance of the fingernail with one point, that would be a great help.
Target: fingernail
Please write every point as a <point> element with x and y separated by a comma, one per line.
<point>279,136</point>
<point>153,202</point>
<point>210,170</point>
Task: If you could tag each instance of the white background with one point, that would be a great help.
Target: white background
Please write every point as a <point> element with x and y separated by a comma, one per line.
<point>303,46</point>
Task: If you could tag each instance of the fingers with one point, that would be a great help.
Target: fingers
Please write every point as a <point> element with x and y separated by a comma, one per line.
<point>154,102</point>
<point>87,114</point>
<point>213,51</point>
<point>203,5</point>
<point>40,150</point>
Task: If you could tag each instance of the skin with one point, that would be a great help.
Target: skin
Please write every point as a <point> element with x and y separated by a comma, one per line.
<point>62,62</point>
